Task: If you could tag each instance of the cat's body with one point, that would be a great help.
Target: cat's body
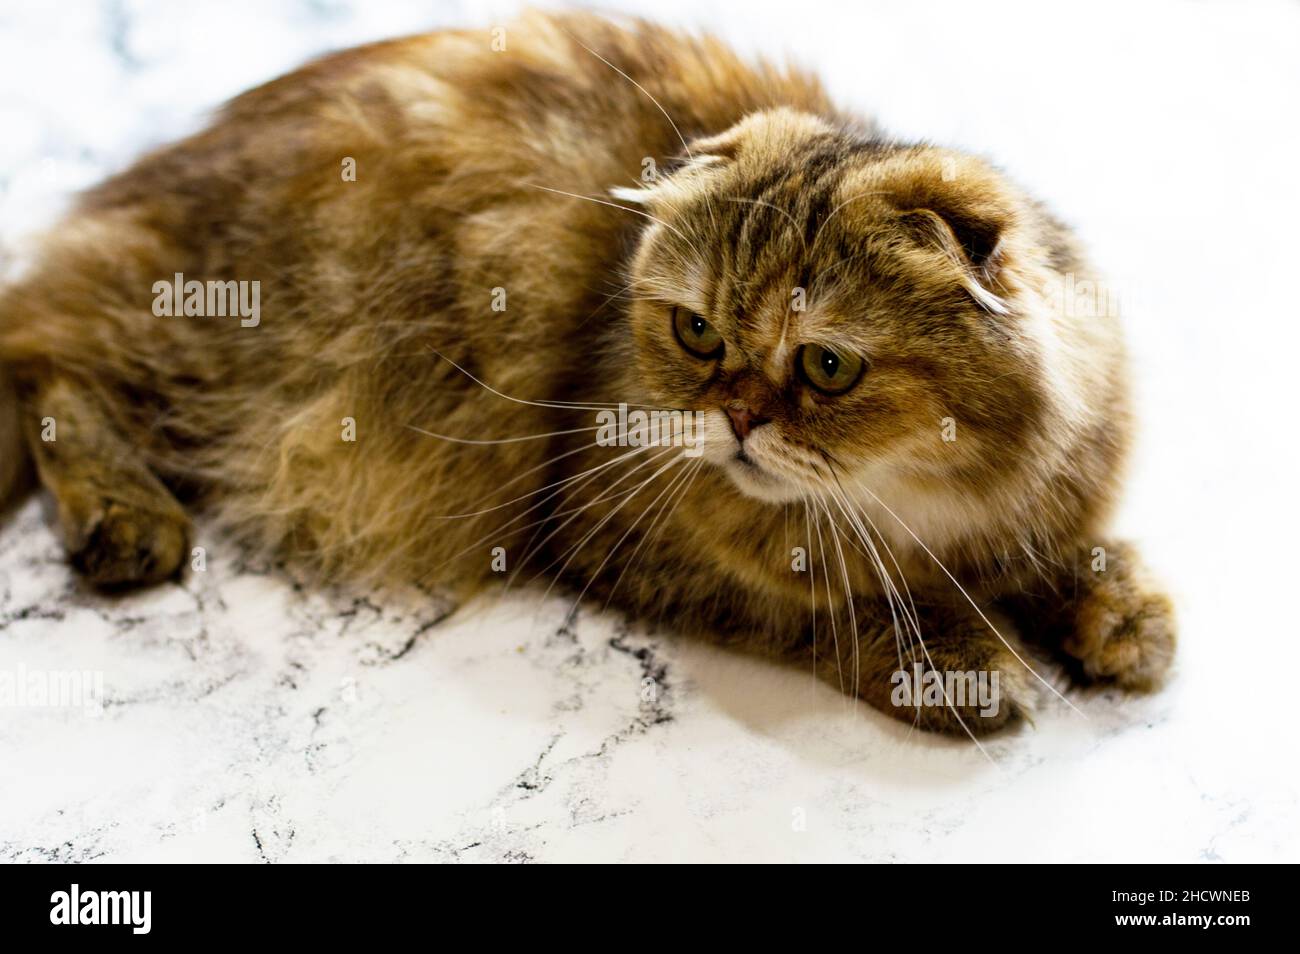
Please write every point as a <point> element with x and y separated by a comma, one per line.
<point>475,282</point>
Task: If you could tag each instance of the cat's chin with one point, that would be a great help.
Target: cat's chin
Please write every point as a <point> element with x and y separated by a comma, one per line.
<point>755,481</point>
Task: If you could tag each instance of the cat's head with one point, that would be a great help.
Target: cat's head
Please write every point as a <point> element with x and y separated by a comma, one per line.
<point>841,309</point>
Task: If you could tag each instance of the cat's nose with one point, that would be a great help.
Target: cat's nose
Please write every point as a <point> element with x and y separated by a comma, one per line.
<point>743,420</point>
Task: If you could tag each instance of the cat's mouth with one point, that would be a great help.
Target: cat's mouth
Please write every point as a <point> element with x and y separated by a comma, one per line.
<point>754,479</point>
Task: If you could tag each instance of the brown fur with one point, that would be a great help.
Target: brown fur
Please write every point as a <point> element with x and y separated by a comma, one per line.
<point>472,168</point>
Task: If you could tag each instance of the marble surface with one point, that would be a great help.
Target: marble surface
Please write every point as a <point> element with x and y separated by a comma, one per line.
<point>240,716</point>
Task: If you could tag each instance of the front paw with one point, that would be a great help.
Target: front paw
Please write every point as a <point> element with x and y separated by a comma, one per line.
<point>959,677</point>
<point>124,542</point>
<point>1124,629</point>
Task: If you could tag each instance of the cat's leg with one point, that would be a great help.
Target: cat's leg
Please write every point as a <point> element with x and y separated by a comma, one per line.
<point>1108,616</point>
<point>958,676</point>
<point>120,524</point>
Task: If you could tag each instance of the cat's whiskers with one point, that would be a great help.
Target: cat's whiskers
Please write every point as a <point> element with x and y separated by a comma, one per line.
<point>856,514</point>
<point>1005,642</point>
<point>589,474</point>
<point>577,547</point>
<point>632,527</point>
<point>830,600</point>
<point>643,90</point>
<point>668,508</point>
<point>812,576</point>
<point>557,405</point>
<point>870,555</point>
<point>605,494</point>
<point>820,278</point>
<point>891,593</point>
<point>768,205</point>
<point>532,493</point>
<point>657,287</point>
<point>533,546</point>
<point>658,105</point>
<point>529,548</point>
<point>502,440</point>
<point>556,483</point>
<point>877,564</point>
<point>571,494</point>
<point>826,221</point>
<point>620,294</point>
<point>848,602</point>
<point>614,205</point>
<point>521,476</point>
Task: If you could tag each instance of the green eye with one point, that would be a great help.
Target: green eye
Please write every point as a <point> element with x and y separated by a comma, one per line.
<point>829,371</point>
<point>696,335</point>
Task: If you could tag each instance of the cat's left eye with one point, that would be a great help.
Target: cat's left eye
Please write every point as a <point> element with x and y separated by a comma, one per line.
<point>831,372</point>
<point>696,335</point>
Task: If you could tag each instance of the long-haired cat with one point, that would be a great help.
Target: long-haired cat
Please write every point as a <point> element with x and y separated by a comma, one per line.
<point>601,304</point>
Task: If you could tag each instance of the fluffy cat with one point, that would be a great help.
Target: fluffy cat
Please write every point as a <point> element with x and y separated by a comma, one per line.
<point>904,432</point>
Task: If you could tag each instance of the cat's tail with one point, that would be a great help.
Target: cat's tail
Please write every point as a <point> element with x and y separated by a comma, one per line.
<point>15,462</point>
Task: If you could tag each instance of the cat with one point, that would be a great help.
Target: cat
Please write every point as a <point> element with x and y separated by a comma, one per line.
<point>886,436</point>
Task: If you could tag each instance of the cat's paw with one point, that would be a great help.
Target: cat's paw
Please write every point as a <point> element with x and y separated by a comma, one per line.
<point>114,543</point>
<point>968,681</point>
<point>1124,629</point>
<point>1007,696</point>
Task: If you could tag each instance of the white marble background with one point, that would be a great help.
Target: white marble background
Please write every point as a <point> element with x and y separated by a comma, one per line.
<point>246,718</point>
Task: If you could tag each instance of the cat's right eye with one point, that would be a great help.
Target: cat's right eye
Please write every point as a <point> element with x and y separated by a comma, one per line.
<point>696,335</point>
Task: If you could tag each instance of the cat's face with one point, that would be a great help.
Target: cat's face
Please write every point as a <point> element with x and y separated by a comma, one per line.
<point>835,310</point>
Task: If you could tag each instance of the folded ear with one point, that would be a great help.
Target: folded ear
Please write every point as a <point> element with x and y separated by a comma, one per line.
<point>765,135</point>
<point>667,186</point>
<point>768,134</point>
<point>959,205</point>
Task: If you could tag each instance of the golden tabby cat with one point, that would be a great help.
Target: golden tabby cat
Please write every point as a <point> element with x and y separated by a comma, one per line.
<point>598,303</point>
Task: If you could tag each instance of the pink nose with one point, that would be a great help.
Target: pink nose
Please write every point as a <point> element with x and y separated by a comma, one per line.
<point>743,420</point>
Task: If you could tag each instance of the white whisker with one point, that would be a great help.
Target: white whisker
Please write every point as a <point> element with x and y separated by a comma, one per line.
<point>574,550</point>
<point>685,480</point>
<point>972,602</point>
<point>615,205</point>
<point>501,440</point>
<point>626,533</point>
<point>558,405</point>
